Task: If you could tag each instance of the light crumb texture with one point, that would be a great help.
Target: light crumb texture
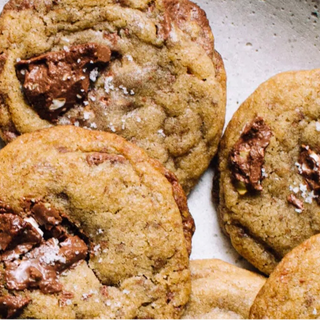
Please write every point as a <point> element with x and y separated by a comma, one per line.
<point>264,225</point>
<point>293,289</point>
<point>221,290</point>
<point>119,202</point>
<point>163,88</point>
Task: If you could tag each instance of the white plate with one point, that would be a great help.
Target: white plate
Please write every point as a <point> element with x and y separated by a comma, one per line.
<point>256,39</point>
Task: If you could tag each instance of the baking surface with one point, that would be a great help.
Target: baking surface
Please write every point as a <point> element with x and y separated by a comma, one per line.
<point>256,39</point>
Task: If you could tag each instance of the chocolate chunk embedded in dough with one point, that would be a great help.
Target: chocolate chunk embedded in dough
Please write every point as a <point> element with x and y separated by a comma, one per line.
<point>10,305</point>
<point>54,82</point>
<point>40,268</point>
<point>247,156</point>
<point>295,201</point>
<point>17,236</point>
<point>309,169</point>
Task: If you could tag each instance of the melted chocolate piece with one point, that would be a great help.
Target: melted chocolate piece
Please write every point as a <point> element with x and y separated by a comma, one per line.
<point>46,215</point>
<point>17,236</point>
<point>49,218</point>
<point>310,169</point>
<point>40,267</point>
<point>295,201</point>
<point>10,305</point>
<point>5,208</point>
<point>54,82</point>
<point>98,158</point>
<point>247,156</point>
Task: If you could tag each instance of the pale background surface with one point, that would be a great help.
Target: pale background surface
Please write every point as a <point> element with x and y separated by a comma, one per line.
<point>257,39</point>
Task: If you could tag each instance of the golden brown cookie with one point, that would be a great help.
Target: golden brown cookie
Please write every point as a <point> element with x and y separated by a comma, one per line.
<point>293,289</point>
<point>269,166</point>
<point>221,290</point>
<point>90,227</point>
<point>146,70</point>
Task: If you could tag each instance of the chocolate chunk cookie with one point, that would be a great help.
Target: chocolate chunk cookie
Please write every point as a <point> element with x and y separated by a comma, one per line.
<point>269,167</point>
<point>221,290</point>
<point>90,227</point>
<point>293,289</point>
<point>146,70</point>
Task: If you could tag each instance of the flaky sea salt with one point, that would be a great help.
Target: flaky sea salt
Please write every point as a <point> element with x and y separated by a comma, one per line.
<point>86,115</point>
<point>123,125</point>
<point>161,132</point>
<point>52,254</point>
<point>108,85</point>
<point>112,128</point>
<point>124,89</point>
<point>99,231</point>
<point>94,74</point>
<point>68,302</point>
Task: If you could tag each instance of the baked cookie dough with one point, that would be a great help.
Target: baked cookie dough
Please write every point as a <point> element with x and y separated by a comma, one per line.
<point>146,70</point>
<point>293,289</point>
<point>269,167</point>
<point>90,227</point>
<point>221,290</point>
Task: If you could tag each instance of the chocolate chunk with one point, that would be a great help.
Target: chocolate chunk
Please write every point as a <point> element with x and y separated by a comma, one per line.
<point>247,156</point>
<point>98,158</point>
<point>295,201</point>
<point>10,305</point>
<point>49,218</point>
<point>54,82</point>
<point>40,267</point>
<point>46,215</point>
<point>4,208</point>
<point>309,169</point>
<point>17,236</point>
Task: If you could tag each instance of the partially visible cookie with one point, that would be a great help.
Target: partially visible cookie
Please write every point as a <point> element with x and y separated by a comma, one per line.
<point>293,289</point>
<point>221,290</point>
<point>269,169</point>
<point>90,227</point>
<point>146,70</point>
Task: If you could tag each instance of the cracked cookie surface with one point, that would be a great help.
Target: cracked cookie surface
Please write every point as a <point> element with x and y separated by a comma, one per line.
<point>90,227</point>
<point>221,290</point>
<point>163,86</point>
<point>268,218</point>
